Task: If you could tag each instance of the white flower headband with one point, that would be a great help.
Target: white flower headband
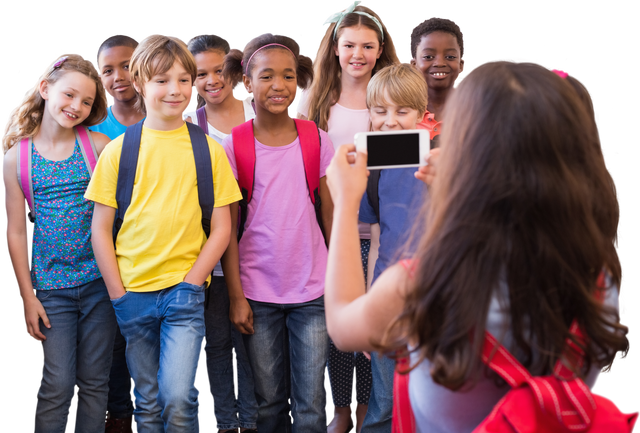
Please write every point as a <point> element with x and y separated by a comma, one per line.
<point>336,17</point>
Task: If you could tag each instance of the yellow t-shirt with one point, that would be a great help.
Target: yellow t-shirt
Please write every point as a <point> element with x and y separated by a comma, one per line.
<point>161,235</point>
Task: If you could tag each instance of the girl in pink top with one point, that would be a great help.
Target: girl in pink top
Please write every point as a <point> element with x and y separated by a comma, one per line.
<point>355,46</point>
<point>278,299</point>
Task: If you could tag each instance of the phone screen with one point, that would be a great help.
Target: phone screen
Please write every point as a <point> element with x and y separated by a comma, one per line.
<point>400,149</point>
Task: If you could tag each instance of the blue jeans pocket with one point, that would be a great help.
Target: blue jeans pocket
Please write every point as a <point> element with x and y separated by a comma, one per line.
<point>118,301</point>
<point>43,294</point>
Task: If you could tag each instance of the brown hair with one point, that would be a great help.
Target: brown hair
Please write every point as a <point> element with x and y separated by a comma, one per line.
<point>522,198</point>
<point>156,55</point>
<point>236,63</point>
<point>26,119</point>
<point>402,83</point>
<point>327,87</point>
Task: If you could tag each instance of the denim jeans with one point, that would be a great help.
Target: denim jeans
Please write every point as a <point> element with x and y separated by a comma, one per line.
<point>221,338</point>
<point>119,404</point>
<point>378,418</point>
<point>77,351</point>
<point>308,341</point>
<point>164,331</point>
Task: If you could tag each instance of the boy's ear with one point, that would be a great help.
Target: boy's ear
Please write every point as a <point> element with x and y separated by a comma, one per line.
<point>135,86</point>
<point>461,65</point>
<point>413,62</point>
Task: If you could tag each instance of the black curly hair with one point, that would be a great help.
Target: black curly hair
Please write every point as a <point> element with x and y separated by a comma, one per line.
<point>435,25</point>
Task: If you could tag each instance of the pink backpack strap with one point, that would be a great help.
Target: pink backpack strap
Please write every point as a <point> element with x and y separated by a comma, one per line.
<point>402,420</point>
<point>244,149</point>
<point>310,145</point>
<point>24,174</point>
<point>87,147</point>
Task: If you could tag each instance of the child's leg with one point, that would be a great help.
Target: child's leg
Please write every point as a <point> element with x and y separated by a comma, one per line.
<point>59,372</point>
<point>309,347</point>
<point>219,351</point>
<point>96,329</point>
<point>137,316</point>
<point>378,419</point>
<point>340,366</point>
<point>119,404</point>
<point>246,403</point>
<point>265,349</point>
<point>181,309</point>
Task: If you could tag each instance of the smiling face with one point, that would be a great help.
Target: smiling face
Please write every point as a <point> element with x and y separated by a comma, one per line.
<point>388,116</point>
<point>273,80</point>
<point>209,81</point>
<point>69,99</point>
<point>166,96</point>
<point>358,50</point>
<point>114,72</point>
<point>438,58</point>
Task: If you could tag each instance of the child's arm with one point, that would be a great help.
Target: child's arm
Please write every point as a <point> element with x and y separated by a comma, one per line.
<point>213,248</point>
<point>102,242</point>
<point>373,253</point>
<point>240,312</point>
<point>326,209</point>
<point>355,320</point>
<point>100,140</point>
<point>18,250</point>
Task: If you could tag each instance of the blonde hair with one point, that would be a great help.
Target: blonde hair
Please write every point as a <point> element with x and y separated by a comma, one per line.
<point>156,55</point>
<point>327,86</point>
<point>402,83</point>
<point>25,120</point>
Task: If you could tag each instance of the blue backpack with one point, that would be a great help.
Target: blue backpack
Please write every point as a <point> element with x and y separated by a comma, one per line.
<point>129,163</point>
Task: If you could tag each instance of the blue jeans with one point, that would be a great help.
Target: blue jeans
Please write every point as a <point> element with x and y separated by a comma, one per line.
<point>77,351</point>
<point>308,350</point>
<point>164,331</point>
<point>378,418</point>
<point>221,338</point>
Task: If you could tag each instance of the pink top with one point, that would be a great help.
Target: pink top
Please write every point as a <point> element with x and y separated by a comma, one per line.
<point>283,256</point>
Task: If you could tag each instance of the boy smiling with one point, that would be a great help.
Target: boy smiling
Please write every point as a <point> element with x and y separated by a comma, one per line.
<point>162,261</point>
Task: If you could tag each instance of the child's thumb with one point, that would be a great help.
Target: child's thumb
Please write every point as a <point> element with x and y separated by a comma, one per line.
<point>45,319</point>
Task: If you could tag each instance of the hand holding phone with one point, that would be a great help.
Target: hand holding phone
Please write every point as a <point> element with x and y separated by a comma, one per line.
<point>394,149</point>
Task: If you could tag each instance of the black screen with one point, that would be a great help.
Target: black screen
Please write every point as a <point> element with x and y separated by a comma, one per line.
<point>396,149</point>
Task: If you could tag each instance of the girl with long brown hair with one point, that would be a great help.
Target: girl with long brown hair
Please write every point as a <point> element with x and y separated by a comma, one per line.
<point>521,222</point>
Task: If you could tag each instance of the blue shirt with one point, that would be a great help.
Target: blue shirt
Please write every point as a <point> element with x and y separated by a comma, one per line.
<point>401,196</point>
<point>110,126</point>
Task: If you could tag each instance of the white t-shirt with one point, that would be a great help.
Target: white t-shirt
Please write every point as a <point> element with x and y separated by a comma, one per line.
<point>249,114</point>
<point>343,124</point>
<point>440,410</point>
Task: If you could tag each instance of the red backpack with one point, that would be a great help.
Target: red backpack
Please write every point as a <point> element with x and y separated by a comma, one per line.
<point>542,404</point>
<point>245,152</point>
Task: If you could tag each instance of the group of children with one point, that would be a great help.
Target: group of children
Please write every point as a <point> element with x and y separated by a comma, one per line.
<point>226,235</point>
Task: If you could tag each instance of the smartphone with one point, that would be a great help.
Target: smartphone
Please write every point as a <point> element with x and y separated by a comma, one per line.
<point>394,149</point>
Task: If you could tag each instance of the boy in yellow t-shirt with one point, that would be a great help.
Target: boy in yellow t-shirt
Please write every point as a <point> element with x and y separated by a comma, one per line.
<point>162,261</point>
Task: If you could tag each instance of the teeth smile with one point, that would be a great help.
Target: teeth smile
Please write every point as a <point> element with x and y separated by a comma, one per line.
<point>214,91</point>
<point>439,74</point>
<point>70,116</point>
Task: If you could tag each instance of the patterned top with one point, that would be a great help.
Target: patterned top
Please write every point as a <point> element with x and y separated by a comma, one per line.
<point>62,253</point>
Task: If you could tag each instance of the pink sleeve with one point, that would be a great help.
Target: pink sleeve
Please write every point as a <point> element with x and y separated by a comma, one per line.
<point>227,143</point>
<point>326,152</point>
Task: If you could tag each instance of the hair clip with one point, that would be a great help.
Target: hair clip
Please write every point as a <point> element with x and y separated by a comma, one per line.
<point>59,63</point>
<point>338,16</point>
<point>561,74</point>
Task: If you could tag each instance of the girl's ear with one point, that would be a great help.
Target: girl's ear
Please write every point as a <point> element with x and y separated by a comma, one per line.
<point>247,83</point>
<point>335,49</point>
<point>43,88</point>
<point>380,50</point>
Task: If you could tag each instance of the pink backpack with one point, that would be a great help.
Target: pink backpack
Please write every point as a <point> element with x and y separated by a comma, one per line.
<point>24,163</point>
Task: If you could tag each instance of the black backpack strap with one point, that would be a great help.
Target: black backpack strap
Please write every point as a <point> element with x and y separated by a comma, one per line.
<point>372,191</point>
<point>126,173</point>
<point>204,174</point>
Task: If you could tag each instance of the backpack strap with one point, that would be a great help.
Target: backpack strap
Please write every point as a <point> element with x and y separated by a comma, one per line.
<point>128,166</point>
<point>25,147</point>
<point>403,419</point>
<point>204,174</point>
<point>201,118</point>
<point>87,147</point>
<point>126,173</point>
<point>244,149</point>
<point>372,191</point>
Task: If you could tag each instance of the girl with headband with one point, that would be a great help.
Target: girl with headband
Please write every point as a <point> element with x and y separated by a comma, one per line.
<point>355,46</point>
<point>275,272</point>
